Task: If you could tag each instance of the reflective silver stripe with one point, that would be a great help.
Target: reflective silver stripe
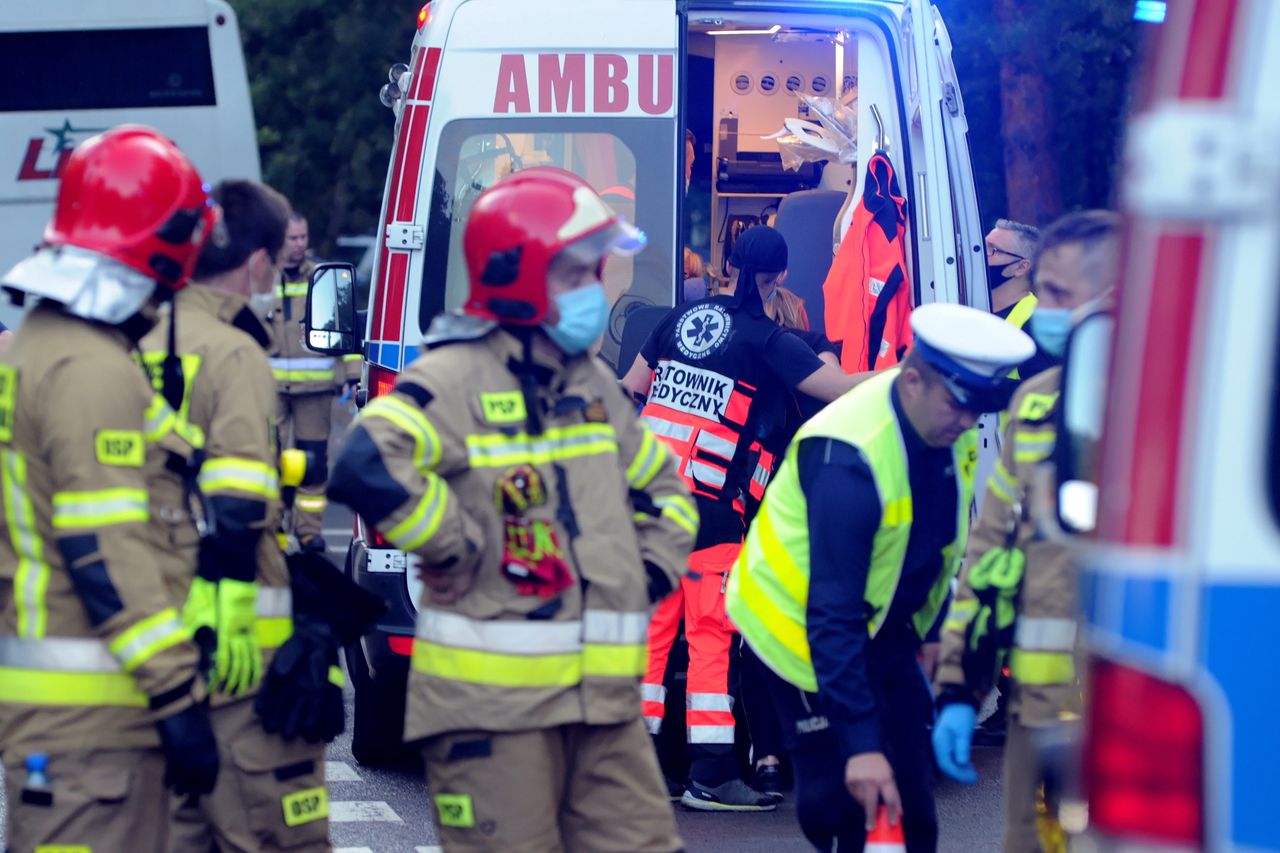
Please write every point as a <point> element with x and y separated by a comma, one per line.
<point>545,447</point>
<point>653,724</point>
<point>143,642</point>
<point>653,693</point>
<point>608,626</point>
<point>505,636</point>
<point>274,601</point>
<point>709,702</point>
<point>668,429</point>
<point>1045,635</point>
<point>761,476</point>
<point>704,473</point>
<point>57,654</point>
<point>301,364</point>
<point>33,571</point>
<point>722,447</point>
<point>710,734</point>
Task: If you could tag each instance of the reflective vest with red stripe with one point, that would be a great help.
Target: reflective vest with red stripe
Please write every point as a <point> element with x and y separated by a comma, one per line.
<point>715,403</point>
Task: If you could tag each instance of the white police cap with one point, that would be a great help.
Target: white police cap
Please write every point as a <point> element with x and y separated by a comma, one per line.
<point>973,351</point>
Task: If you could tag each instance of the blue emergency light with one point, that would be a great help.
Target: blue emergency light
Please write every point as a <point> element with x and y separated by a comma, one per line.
<point>1150,11</point>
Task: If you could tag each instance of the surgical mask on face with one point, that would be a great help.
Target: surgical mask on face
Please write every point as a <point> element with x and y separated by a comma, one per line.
<point>1050,327</point>
<point>584,312</point>
<point>996,275</point>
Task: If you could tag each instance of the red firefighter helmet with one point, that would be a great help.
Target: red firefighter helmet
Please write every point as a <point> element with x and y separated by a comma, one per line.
<point>132,195</point>
<point>519,225</point>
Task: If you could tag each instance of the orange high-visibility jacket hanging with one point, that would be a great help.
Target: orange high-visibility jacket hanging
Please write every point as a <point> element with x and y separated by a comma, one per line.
<point>867,293</point>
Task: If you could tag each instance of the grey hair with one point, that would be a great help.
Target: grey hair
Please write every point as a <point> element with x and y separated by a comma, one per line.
<point>1027,235</point>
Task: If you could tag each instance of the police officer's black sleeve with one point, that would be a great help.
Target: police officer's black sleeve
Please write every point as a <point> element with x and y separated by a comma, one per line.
<point>844,513</point>
<point>790,359</point>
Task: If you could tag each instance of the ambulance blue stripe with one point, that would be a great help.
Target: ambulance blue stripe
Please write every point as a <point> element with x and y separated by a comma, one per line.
<point>1132,609</point>
<point>410,353</point>
<point>1239,628</point>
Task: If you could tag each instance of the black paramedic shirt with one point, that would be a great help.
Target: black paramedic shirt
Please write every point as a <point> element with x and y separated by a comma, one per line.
<point>844,514</point>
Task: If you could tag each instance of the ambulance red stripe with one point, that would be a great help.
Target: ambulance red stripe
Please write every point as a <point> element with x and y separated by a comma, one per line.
<point>391,318</point>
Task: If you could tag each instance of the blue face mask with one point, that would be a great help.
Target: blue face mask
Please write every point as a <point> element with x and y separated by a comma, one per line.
<point>584,312</point>
<point>1050,327</point>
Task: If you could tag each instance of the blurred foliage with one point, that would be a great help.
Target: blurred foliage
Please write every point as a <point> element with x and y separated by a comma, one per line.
<point>1087,51</point>
<point>315,67</point>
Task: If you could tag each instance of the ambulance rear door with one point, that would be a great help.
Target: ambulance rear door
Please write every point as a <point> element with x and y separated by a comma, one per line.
<point>500,85</point>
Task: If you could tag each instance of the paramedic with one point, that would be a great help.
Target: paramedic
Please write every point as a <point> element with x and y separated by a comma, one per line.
<point>548,519</point>
<point>718,373</point>
<point>307,384</point>
<point>1017,596</point>
<point>847,565</point>
<point>101,706</point>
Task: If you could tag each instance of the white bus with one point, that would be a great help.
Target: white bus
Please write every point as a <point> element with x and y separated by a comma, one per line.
<point>74,68</point>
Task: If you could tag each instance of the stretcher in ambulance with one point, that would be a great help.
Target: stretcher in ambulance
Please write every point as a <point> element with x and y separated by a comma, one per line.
<point>607,89</point>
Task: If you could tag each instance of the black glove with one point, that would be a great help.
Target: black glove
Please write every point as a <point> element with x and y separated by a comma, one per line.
<point>190,751</point>
<point>302,691</point>
<point>322,593</point>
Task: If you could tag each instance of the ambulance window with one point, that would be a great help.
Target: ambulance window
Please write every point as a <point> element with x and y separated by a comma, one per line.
<point>106,69</point>
<point>476,154</point>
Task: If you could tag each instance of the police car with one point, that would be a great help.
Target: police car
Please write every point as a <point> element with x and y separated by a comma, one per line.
<point>606,90</point>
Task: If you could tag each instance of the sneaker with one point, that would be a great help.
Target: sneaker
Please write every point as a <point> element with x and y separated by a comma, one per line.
<point>768,781</point>
<point>733,796</point>
<point>314,543</point>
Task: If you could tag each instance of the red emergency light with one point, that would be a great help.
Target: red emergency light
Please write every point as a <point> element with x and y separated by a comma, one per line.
<point>424,15</point>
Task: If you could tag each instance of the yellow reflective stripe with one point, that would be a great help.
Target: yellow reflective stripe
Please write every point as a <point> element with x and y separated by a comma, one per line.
<point>93,689</point>
<point>784,566</point>
<point>159,419</point>
<point>100,508</point>
<point>303,375</point>
<point>353,357</point>
<point>648,461</point>
<point>293,288</point>
<point>147,638</point>
<point>1022,311</point>
<point>1042,668</point>
<point>311,503</point>
<point>898,512</point>
<point>1033,446</point>
<point>960,614</point>
<point>410,419</point>
<point>681,511</point>
<point>1002,484</point>
<point>233,473</point>
<point>497,670</point>
<point>272,631</point>
<point>614,661</point>
<point>32,576</point>
<point>554,445</point>
<point>421,524</point>
<point>780,626</point>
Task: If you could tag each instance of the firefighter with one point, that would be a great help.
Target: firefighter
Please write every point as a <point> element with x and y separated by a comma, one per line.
<point>100,703</point>
<point>307,383</point>
<point>233,578</point>
<point>719,374</point>
<point>1017,596</point>
<point>548,520</point>
<point>849,561</point>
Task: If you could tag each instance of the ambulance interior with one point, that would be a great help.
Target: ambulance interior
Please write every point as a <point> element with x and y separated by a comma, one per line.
<point>786,110</point>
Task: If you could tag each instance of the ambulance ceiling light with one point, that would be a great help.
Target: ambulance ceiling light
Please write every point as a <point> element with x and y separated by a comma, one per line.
<point>769,32</point>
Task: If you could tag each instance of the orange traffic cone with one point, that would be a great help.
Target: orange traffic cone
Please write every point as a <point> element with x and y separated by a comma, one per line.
<point>886,838</point>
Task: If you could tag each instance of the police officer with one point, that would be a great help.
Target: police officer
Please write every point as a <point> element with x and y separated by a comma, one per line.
<point>719,375</point>
<point>548,519</point>
<point>849,561</point>
<point>1011,569</point>
<point>100,703</point>
<point>307,385</point>
<point>234,578</point>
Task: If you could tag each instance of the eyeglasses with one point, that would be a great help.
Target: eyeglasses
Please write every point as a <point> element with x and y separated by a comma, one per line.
<point>996,250</point>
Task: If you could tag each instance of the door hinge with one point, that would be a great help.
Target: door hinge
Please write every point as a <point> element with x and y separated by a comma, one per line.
<point>406,235</point>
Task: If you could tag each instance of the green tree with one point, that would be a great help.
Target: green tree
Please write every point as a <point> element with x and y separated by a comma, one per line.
<point>315,67</point>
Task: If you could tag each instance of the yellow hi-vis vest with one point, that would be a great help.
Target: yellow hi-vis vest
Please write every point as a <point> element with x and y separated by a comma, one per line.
<point>769,588</point>
<point>1018,318</point>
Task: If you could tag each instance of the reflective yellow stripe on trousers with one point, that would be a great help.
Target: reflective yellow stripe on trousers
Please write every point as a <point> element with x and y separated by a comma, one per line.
<point>64,671</point>
<point>531,654</point>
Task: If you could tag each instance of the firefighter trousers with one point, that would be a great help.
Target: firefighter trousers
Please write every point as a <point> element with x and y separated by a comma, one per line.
<point>305,421</point>
<point>270,794</point>
<point>708,704</point>
<point>1022,780</point>
<point>564,788</point>
<point>95,800</point>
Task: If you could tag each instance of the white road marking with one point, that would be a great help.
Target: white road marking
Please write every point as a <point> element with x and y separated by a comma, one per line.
<point>361,811</point>
<point>432,849</point>
<point>340,771</point>
<point>337,531</point>
<point>352,850</point>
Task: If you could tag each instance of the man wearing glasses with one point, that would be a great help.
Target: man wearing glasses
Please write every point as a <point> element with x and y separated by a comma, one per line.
<point>1009,248</point>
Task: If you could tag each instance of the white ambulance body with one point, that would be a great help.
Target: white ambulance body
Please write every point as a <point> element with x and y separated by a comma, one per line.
<point>601,88</point>
<point>75,68</point>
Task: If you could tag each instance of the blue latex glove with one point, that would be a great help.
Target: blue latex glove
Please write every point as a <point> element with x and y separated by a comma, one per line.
<point>952,737</point>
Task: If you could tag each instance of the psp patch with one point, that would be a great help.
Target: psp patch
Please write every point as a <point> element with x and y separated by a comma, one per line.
<point>702,330</point>
<point>456,810</point>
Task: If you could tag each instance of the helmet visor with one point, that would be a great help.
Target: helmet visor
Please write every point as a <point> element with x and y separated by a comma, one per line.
<point>617,237</point>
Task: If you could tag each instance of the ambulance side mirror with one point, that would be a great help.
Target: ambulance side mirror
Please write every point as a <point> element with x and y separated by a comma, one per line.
<point>331,321</point>
<point>1085,373</point>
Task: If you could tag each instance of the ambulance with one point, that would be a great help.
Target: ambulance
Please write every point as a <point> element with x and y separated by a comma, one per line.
<point>74,68</point>
<point>607,89</point>
<point>1168,479</point>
